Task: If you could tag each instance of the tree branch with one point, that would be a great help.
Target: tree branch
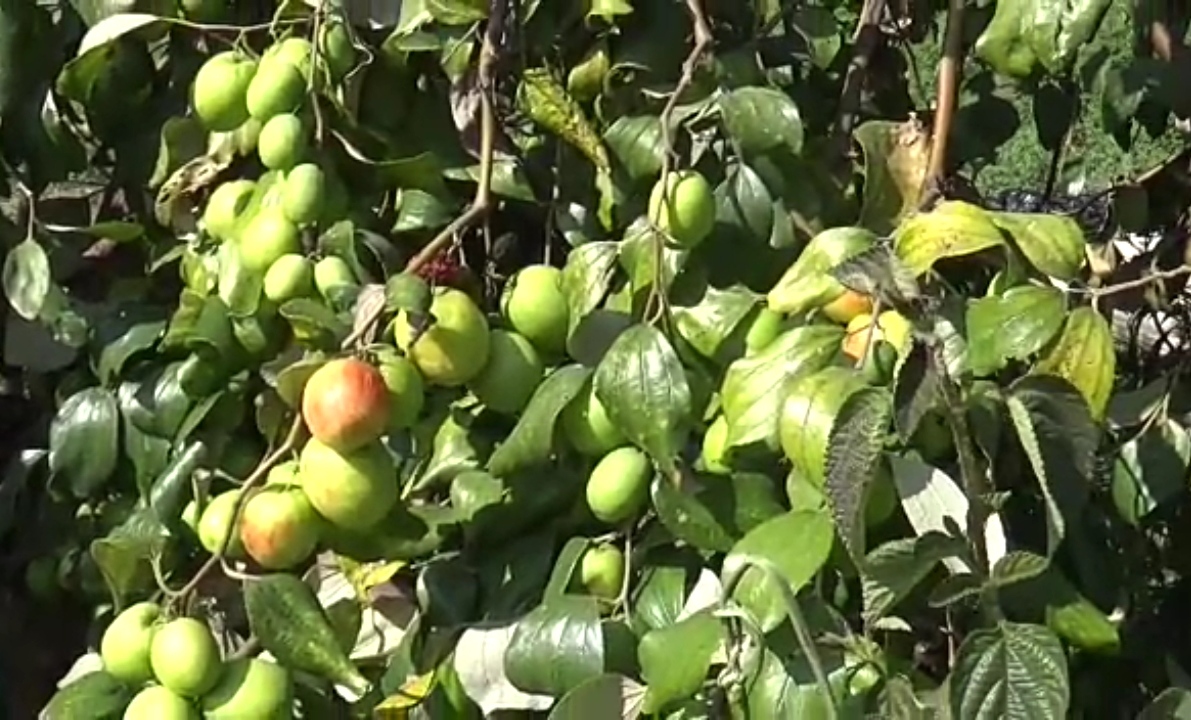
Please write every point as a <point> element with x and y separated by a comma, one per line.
<point>950,73</point>
<point>864,43</point>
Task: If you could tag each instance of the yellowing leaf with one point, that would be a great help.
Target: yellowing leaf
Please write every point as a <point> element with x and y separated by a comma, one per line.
<point>895,160</point>
<point>1054,244</point>
<point>413,692</point>
<point>953,229</point>
<point>1084,356</point>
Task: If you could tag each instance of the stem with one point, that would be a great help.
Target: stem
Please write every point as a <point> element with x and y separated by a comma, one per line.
<point>864,44</point>
<point>950,71</point>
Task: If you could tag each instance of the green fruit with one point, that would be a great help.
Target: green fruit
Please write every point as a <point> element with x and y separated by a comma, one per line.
<point>282,143</point>
<point>715,448</point>
<point>512,373</point>
<point>407,391</point>
<point>41,577</point>
<point>247,136</point>
<point>602,571</point>
<point>225,206</point>
<point>337,50</point>
<point>587,426</point>
<point>765,328</point>
<point>619,485</point>
<point>220,91</point>
<point>294,51</point>
<point>534,304</point>
<point>266,239</point>
<point>250,688</point>
<point>302,193</point>
<point>215,524</point>
<point>276,88</point>
<point>283,474</point>
<point>333,272</point>
<point>279,527</point>
<point>125,645</point>
<point>185,657</point>
<point>290,276</point>
<point>352,490</point>
<point>684,208</point>
<point>158,703</point>
<point>455,347</point>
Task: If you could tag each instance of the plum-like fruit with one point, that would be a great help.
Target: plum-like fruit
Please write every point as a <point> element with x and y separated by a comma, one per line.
<point>250,688</point>
<point>335,45</point>
<point>290,276</point>
<point>159,703</point>
<point>602,571</point>
<point>407,391</point>
<point>221,90</point>
<point>225,206</point>
<point>124,647</point>
<point>185,657</point>
<point>268,237</point>
<point>683,208</point>
<point>534,304</point>
<point>848,306</point>
<point>283,474</point>
<point>715,447</point>
<point>283,142</point>
<point>302,194</point>
<point>510,376</point>
<point>352,490</point>
<point>455,347</point>
<point>276,88</point>
<point>215,523</point>
<point>345,404</point>
<point>764,329</point>
<point>279,528</point>
<point>619,485</point>
<point>296,51</point>
<point>586,424</point>
<point>333,272</point>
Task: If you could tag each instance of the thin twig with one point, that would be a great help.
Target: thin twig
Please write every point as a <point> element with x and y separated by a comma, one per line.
<point>950,71</point>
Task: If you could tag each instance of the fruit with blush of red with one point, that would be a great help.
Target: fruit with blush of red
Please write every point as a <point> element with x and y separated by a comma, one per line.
<point>345,404</point>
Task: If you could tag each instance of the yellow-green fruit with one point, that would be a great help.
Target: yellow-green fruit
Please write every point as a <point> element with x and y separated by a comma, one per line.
<point>184,657</point>
<point>352,490</point>
<point>765,328</point>
<point>215,523</point>
<point>534,304</point>
<point>333,272</point>
<point>290,276</point>
<point>125,645</point>
<point>602,571</point>
<point>684,208</point>
<point>455,347</point>
<point>715,447</point>
<point>158,703</point>
<point>407,391</point>
<point>510,376</point>
<point>283,474</point>
<point>337,49</point>
<point>220,91</point>
<point>267,238</point>
<point>279,528</point>
<point>250,688</point>
<point>295,51</point>
<point>247,136</point>
<point>276,88</point>
<point>225,206</point>
<point>587,426</point>
<point>303,192</point>
<point>619,485</point>
<point>282,143</point>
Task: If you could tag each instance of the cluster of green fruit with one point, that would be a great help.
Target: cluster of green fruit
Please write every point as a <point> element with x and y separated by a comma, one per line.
<point>179,668</point>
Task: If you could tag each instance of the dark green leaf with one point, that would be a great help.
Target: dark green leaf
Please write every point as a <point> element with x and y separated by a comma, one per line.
<point>84,440</point>
<point>115,353</point>
<point>1150,470</point>
<point>171,490</point>
<point>13,484</point>
<point>607,696</point>
<point>1013,672</point>
<point>707,324</point>
<point>761,119</point>
<point>1046,596</point>
<point>1171,704</point>
<point>532,441</point>
<point>636,141</point>
<point>689,519</point>
<point>587,276</point>
<point>94,696</point>
<point>675,659</point>
<point>660,596</point>
<point>640,259</point>
<point>895,568</point>
<point>124,556</point>
<point>556,647</point>
<point>564,567</point>
<point>915,390</point>
<point>1012,326</point>
<point>854,462</point>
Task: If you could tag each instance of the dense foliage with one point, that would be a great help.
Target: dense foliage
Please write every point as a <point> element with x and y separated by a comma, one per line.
<point>599,359</point>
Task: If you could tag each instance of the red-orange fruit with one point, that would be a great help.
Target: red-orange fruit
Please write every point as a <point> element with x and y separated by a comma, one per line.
<point>346,404</point>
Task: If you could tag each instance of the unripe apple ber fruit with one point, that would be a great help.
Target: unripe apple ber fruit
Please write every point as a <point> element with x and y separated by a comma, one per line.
<point>619,485</point>
<point>220,91</point>
<point>302,193</point>
<point>407,391</point>
<point>283,474</point>
<point>345,404</point>
<point>184,657</point>
<point>225,206</point>
<point>602,571</point>
<point>333,272</point>
<point>250,688</point>
<point>714,450</point>
<point>290,276</point>
<point>124,646</point>
<point>268,237</point>
<point>534,304</point>
<point>276,88</point>
<point>159,703</point>
<point>586,425</point>
<point>352,490</point>
<point>215,522</point>
<point>279,527</point>
<point>683,208</point>
<point>283,142</point>
<point>455,347</point>
<point>511,375</point>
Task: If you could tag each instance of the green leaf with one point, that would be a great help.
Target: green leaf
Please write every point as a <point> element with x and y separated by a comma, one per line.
<point>1012,326</point>
<point>15,17</point>
<point>744,202</point>
<point>1054,244</point>
<point>808,284</point>
<point>761,119</point>
<point>607,696</point>
<point>182,140</point>
<point>27,278</point>
<point>638,255</point>
<point>636,142</point>
<point>609,10</point>
<point>314,323</point>
<point>1085,356</point>
<point>556,647</point>
<point>564,566</point>
<point>675,659</point>
<point>687,518</point>
<point>546,102</point>
<point>821,30</point>
<point>201,323</point>
<point>755,386</point>
<point>1010,672</point>
<point>532,441</point>
<point>1149,470</point>
<point>896,156</point>
<point>798,544</point>
<point>457,12</point>
<point>1039,592</point>
<point>116,352</point>
<point>660,595</point>
<point>84,440</point>
<point>1171,703</point>
<point>642,385</point>
<point>171,490</point>
<point>587,276</point>
<point>891,571</point>
<point>783,686</point>
<point>854,462</point>
<point>94,696</point>
<point>707,324</point>
<point>124,555</point>
<point>953,229</point>
<point>287,619</point>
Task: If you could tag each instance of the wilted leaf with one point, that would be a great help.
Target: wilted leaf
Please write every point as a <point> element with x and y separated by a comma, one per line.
<point>895,163</point>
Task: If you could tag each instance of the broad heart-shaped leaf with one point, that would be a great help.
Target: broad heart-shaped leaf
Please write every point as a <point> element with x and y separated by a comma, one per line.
<point>636,141</point>
<point>675,659</point>
<point>544,99</point>
<point>287,619</point>
<point>1012,326</point>
<point>707,324</point>
<point>689,519</point>
<point>891,571</point>
<point>854,462</point>
<point>1150,470</point>
<point>1010,672</point>
<point>808,284</point>
<point>84,440</point>
<point>556,647</point>
<point>953,229</point>
<point>760,119</point>
<point>532,441</point>
<point>1056,430</point>
<point>123,556</point>
<point>1054,244</point>
<point>1084,355</point>
<point>27,278</point>
<point>94,696</point>
<point>798,544</point>
<point>607,696</point>
<point>587,276</point>
<point>1041,593</point>
<point>755,386</point>
<point>895,162</point>
<point>642,385</point>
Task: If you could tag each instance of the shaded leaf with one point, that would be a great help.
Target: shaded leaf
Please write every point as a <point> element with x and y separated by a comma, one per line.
<point>556,647</point>
<point>532,441</point>
<point>1012,326</point>
<point>892,570</point>
<point>761,119</point>
<point>636,141</point>
<point>1150,470</point>
<point>601,698</point>
<point>895,164</point>
<point>84,440</point>
<point>1011,671</point>
<point>687,518</point>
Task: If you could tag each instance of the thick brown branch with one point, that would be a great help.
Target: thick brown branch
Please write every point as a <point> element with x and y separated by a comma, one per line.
<point>864,43</point>
<point>950,74</point>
